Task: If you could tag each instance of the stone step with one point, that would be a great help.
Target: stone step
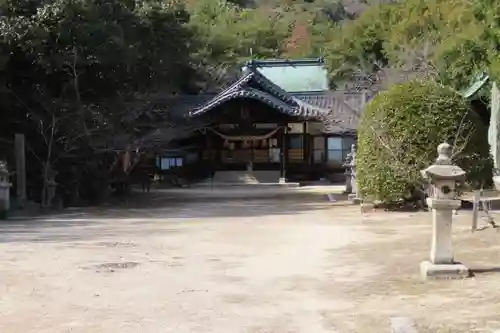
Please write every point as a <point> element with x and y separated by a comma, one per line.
<point>247,177</point>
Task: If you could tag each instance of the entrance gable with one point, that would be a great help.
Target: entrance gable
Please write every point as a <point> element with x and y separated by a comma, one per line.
<point>253,85</point>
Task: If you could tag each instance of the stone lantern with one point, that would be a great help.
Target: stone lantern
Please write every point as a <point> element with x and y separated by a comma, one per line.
<point>352,184</point>
<point>348,165</point>
<point>4,188</point>
<point>443,177</point>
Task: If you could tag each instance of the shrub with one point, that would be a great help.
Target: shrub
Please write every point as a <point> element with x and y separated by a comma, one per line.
<point>400,130</point>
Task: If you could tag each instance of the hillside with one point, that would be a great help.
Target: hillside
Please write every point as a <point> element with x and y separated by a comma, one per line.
<point>454,38</point>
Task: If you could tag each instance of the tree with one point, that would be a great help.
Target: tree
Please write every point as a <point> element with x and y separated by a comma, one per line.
<point>400,130</point>
<point>460,38</point>
<point>70,63</point>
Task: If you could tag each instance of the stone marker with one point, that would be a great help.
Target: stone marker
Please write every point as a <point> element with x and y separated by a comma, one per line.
<point>475,210</point>
<point>4,189</point>
<point>442,176</point>
<point>402,325</point>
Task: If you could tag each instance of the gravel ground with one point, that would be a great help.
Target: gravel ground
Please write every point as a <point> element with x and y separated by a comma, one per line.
<point>165,263</point>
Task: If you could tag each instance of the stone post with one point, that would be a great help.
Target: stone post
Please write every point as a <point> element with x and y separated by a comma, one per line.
<point>4,189</point>
<point>354,186</point>
<point>494,133</point>
<point>442,177</point>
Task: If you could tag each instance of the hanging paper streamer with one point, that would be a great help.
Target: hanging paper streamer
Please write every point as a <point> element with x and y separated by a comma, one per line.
<point>246,137</point>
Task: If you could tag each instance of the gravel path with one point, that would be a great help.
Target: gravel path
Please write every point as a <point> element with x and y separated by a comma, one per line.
<point>165,263</point>
<point>227,266</point>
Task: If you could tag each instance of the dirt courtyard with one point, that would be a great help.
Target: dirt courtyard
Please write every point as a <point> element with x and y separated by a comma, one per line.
<point>167,263</point>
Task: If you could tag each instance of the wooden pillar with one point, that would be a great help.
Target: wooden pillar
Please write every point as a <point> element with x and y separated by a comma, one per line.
<point>305,143</point>
<point>20,169</point>
<point>210,151</point>
<point>325,157</point>
<point>284,153</point>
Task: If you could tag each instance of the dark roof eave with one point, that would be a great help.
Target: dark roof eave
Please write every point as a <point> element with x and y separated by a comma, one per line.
<point>301,110</point>
<point>274,62</point>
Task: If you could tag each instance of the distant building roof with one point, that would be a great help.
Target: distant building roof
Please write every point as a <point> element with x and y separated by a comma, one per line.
<point>294,87</point>
<point>294,76</point>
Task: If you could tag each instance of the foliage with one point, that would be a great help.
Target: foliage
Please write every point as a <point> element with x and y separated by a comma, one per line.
<point>400,130</point>
<point>456,37</point>
<point>74,74</point>
<point>69,66</point>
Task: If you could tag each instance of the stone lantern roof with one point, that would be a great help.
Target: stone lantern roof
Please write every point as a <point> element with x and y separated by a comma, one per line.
<point>443,169</point>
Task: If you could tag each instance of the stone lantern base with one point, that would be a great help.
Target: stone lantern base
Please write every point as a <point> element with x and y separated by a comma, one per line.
<point>430,271</point>
<point>353,197</point>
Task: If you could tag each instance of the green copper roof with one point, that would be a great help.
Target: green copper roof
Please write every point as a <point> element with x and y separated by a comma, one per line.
<point>256,86</point>
<point>477,83</point>
<point>305,75</point>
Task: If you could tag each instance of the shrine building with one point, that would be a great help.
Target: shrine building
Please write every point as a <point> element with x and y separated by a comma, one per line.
<point>280,117</point>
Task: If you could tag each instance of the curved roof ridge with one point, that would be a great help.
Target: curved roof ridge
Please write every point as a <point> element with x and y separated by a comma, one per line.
<point>245,93</point>
<point>274,62</point>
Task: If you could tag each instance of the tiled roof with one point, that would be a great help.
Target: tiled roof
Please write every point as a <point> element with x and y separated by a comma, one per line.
<point>344,110</point>
<point>268,93</point>
<point>248,93</point>
<point>183,104</point>
<point>339,111</point>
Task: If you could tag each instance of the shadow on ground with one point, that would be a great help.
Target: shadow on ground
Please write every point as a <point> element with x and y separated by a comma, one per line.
<point>485,270</point>
<point>141,213</point>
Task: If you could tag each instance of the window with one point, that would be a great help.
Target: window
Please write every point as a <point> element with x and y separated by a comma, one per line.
<point>167,163</point>
<point>295,142</point>
<point>319,149</point>
<point>338,148</point>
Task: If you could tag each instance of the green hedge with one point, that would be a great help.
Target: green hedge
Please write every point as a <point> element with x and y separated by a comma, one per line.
<point>400,130</point>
